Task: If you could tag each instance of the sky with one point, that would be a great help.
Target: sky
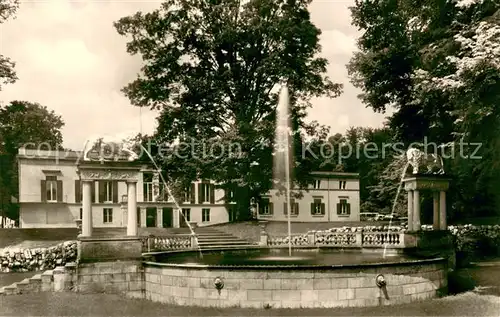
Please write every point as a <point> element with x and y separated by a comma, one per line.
<point>70,58</point>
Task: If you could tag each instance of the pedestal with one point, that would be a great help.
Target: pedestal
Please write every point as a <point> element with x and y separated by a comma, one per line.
<point>109,249</point>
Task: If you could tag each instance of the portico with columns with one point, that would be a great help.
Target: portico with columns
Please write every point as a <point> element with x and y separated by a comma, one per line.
<point>102,248</point>
<point>438,185</point>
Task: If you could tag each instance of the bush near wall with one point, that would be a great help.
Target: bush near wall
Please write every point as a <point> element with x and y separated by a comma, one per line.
<point>39,259</point>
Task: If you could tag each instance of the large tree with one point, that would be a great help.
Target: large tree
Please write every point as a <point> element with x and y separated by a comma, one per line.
<point>23,124</point>
<point>212,68</point>
<point>7,74</point>
<point>435,62</point>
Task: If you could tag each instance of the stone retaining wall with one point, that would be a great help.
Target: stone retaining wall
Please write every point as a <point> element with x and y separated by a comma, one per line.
<point>335,287</point>
<point>123,277</point>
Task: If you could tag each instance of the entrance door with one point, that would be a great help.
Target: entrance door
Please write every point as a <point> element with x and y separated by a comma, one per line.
<point>168,214</point>
<point>151,217</point>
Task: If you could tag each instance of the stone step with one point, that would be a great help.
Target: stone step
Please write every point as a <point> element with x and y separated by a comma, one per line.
<point>227,247</point>
<point>222,243</point>
<point>11,289</point>
<point>36,279</point>
<point>220,240</point>
<point>227,236</point>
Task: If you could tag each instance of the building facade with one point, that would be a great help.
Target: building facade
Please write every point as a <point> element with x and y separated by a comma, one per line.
<point>50,196</point>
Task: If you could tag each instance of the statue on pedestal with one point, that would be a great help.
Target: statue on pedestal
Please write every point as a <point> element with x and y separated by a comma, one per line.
<point>424,163</point>
<point>111,148</point>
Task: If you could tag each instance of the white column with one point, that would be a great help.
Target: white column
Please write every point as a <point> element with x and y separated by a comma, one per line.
<point>416,210</point>
<point>435,209</point>
<point>442,210</point>
<point>176,218</point>
<point>410,210</point>
<point>143,217</point>
<point>132,207</point>
<point>159,217</point>
<point>87,208</point>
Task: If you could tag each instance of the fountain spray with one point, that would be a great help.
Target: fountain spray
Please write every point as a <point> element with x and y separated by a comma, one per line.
<point>282,140</point>
<point>403,174</point>
<point>169,192</point>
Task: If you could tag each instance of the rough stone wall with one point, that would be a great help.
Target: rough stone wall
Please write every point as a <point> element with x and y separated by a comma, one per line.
<point>293,289</point>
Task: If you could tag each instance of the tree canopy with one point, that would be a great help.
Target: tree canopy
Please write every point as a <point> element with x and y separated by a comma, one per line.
<point>7,73</point>
<point>212,68</point>
<point>23,122</point>
<point>436,63</point>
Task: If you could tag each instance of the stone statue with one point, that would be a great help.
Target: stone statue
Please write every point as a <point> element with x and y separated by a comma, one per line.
<point>111,147</point>
<point>423,163</point>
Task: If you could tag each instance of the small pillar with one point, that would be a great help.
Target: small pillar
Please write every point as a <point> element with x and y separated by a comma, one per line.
<point>86,208</point>
<point>176,217</point>
<point>435,209</point>
<point>442,210</point>
<point>410,210</point>
<point>416,211</point>
<point>132,207</point>
<point>159,217</point>
<point>142,217</point>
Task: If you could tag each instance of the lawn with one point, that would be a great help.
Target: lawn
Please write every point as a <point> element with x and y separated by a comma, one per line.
<point>72,304</point>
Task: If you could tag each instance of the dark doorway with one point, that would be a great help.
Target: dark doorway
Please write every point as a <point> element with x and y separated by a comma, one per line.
<point>151,217</point>
<point>167,217</point>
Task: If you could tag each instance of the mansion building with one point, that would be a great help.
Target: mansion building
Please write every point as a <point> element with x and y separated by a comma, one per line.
<point>50,196</point>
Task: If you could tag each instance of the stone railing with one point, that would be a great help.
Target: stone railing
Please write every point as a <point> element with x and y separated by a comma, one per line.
<point>353,239</point>
<point>168,243</point>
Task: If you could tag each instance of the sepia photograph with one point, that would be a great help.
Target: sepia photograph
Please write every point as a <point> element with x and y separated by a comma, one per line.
<point>249,158</point>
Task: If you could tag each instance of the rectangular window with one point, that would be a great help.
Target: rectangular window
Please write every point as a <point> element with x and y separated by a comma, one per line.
<point>108,192</point>
<point>295,208</point>
<point>107,215</point>
<point>186,212</point>
<point>229,195</point>
<point>342,184</point>
<point>316,184</point>
<point>205,193</point>
<point>265,207</point>
<point>147,191</point>
<point>317,207</point>
<point>188,194</point>
<point>205,215</point>
<point>81,213</point>
<point>51,188</point>
<point>343,207</point>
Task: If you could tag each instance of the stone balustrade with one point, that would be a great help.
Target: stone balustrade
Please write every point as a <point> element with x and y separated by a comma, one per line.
<point>168,243</point>
<point>353,239</point>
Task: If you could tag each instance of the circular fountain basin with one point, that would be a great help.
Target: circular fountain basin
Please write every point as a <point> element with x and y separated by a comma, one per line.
<point>264,278</point>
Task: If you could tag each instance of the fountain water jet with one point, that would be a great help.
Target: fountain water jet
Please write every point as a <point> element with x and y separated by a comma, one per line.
<point>282,162</point>
<point>405,168</point>
<point>169,192</point>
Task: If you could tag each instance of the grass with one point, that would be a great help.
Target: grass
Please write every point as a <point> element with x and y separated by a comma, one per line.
<point>72,304</point>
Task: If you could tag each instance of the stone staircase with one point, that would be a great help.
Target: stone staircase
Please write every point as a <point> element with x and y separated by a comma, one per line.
<point>43,282</point>
<point>209,238</point>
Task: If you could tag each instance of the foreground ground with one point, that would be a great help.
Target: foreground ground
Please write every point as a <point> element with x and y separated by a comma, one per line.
<point>483,301</point>
<point>71,304</point>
